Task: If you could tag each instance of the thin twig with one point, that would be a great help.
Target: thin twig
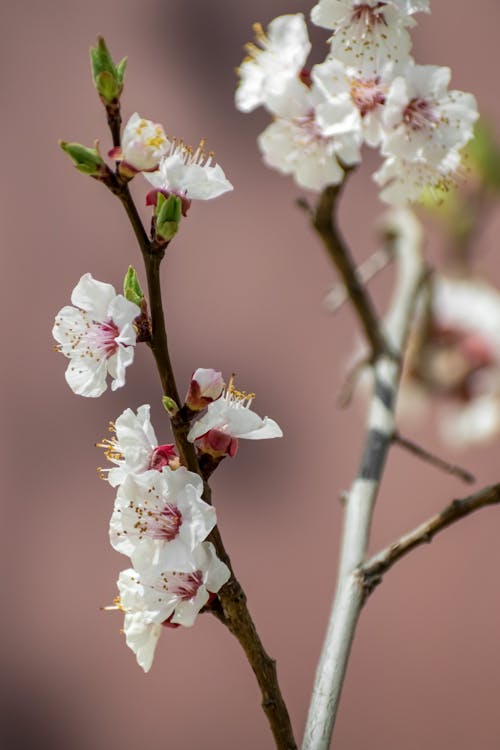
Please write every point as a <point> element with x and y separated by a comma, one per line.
<point>430,458</point>
<point>365,272</point>
<point>233,611</point>
<point>325,225</point>
<point>372,570</point>
<point>362,495</point>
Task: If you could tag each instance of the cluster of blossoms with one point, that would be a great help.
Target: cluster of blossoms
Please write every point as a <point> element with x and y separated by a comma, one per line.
<point>368,91</point>
<point>454,355</point>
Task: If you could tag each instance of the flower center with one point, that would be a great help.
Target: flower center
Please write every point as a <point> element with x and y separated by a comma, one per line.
<point>419,114</point>
<point>369,15</point>
<point>161,524</point>
<point>367,94</point>
<point>101,338</point>
<point>185,585</point>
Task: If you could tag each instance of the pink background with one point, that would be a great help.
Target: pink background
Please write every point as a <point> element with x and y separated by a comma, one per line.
<point>244,284</point>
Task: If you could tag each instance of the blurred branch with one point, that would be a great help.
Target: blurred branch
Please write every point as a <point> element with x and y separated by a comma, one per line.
<point>371,572</point>
<point>324,222</point>
<point>403,233</point>
<point>430,458</point>
<point>365,272</point>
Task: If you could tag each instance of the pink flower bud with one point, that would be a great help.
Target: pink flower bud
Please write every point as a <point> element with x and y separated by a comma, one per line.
<point>218,443</point>
<point>164,455</point>
<point>206,386</point>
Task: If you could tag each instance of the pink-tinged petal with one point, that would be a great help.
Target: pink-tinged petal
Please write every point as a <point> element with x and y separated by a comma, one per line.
<point>93,296</point>
<point>187,611</point>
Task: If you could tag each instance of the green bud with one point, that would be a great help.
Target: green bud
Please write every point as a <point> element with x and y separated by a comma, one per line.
<point>86,160</point>
<point>168,213</point>
<point>170,406</point>
<point>131,287</point>
<point>107,77</point>
<point>484,152</point>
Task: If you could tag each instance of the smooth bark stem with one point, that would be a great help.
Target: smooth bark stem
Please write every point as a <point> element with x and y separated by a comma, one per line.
<point>362,495</point>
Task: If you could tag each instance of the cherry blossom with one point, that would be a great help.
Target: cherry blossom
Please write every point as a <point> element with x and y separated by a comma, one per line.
<point>134,447</point>
<point>159,518</point>
<point>97,335</point>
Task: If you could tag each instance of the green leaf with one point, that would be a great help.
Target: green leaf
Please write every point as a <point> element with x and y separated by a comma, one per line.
<point>107,77</point>
<point>131,287</point>
<point>86,160</point>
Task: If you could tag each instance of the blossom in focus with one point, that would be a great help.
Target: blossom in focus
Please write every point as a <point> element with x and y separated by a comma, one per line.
<point>270,73</point>
<point>143,144</point>
<point>189,173</point>
<point>97,335</point>
<point>206,386</point>
<point>455,357</point>
<point>159,518</point>
<point>230,417</point>
<point>161,596</point>
<point>425,121</point>
<point>134,447</point>
<point>367,31</point>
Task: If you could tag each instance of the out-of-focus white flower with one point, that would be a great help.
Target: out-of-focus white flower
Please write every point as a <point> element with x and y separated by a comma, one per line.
<point>134,447</point>
<point>143,144</point>
<point>173,597</point>
<point>367,31</point>
<point>423,120</point>
<point>270,74</point>
<point>189,173</point>
<point>97,335</point>
<point>230,417</point>
<point>159,518</point>
<point>206,386</point>
<point>354,103</point>
<point>404,181</point>
<point>455,356</point>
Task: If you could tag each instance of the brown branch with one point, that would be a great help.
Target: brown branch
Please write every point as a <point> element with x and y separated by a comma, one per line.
<point>325,225</point>
<point>233,611</point>
<point>372,571</point>
<point>430,458</point>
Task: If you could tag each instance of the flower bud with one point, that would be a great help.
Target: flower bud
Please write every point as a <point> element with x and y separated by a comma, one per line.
<point>164,455</point>
<point>206,386</point>
<point>86,160</point>
<point>167,216</point>
<point>170,406</point>
<point>131,287</point>
<point>218,443</point>
<point>143,144</point>
<point>107,77</point>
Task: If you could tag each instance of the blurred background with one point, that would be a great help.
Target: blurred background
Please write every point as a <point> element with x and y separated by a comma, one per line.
<point>244,284</point>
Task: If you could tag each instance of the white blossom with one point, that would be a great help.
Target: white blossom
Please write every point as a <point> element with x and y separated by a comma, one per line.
<point>189,173</point>
<point>369,31</point>
<point>143,144</point>
<point>423,120</point>
<point>231,415</point>
<point>404,181</point>
<point>270,74</point>
<point>162,596</point>
<point>206,386</point>
<point>159,518</point>
<point>97,335</point>
<point>134,447</point>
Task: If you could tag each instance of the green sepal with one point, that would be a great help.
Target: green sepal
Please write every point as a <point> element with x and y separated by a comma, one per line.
<point>170,406</point>
<point>86,160</point>
<point>131,287</point>
<point>107,77</point>
<point>168,214</point>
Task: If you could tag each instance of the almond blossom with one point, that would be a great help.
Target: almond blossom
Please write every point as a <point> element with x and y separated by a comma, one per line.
<point>143,144</point>
<point>189,173</point>
<point>134,447</point>
<point>159,518</point>
<point>97,335</point>
<point>228,419</point>
<point>164,596</point>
